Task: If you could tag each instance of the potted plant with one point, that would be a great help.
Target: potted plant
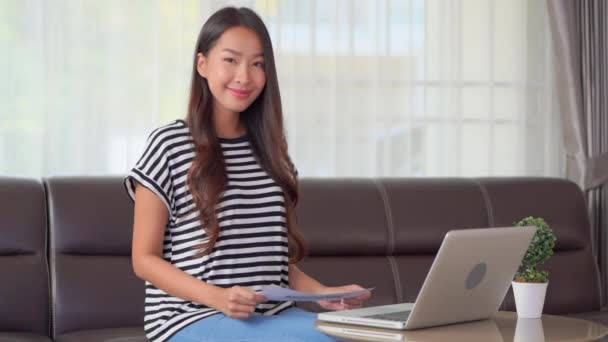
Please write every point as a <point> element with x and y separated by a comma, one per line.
<point>530,283</point>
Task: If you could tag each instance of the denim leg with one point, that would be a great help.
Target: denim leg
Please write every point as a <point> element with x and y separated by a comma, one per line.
<point>292,325</point>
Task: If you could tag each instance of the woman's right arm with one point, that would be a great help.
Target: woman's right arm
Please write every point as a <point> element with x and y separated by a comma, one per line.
<point>149,224</point>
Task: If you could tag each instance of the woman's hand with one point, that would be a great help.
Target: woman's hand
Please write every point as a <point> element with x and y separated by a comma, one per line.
<point>238,302</point>
<point>344,304</point>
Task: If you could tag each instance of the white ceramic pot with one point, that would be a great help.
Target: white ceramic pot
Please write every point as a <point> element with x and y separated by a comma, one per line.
<point>529,298</point>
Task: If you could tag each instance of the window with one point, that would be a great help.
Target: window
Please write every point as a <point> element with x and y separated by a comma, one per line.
<point>369,88</point>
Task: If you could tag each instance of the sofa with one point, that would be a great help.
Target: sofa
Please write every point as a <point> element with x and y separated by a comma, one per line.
<point>65,246</point>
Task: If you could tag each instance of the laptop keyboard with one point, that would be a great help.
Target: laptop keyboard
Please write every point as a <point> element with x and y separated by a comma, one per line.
<point>399,316</point>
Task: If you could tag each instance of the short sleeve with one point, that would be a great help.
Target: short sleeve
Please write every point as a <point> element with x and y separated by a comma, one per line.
<point>153,171</point>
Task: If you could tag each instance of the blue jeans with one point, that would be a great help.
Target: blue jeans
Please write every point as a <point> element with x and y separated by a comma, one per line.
<point>291,325</point>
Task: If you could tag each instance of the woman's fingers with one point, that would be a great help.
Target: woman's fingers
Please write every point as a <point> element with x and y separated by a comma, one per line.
<point>336,306</point>
<point>359,299</point>
<point>332,304</point>
<point>241,302</point>
<point>250,297</point>
<point>356,302</point>
<point>347,303</point>
<point>236,307</point>
<point>246,300</point>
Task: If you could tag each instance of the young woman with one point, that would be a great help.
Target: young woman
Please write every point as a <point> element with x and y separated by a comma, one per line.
<point>215,196</point>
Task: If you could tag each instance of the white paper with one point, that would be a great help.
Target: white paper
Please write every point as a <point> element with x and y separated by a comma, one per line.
<point>274,292</point>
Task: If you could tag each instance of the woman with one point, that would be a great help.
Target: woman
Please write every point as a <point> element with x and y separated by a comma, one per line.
<point>215,196</point>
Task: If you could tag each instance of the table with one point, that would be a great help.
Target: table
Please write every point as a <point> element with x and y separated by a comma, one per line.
<point>504,326</point>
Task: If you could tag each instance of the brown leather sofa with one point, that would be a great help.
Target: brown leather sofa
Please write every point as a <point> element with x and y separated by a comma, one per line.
<point>65,246</point>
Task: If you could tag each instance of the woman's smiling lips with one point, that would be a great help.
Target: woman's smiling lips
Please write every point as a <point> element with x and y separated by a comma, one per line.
<point>241,94</point>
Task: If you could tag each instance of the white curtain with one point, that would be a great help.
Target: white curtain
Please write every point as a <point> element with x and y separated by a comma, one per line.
<point>370,88</point>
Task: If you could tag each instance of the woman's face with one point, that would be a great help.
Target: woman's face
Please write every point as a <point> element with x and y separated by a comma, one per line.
<point>234,69</point>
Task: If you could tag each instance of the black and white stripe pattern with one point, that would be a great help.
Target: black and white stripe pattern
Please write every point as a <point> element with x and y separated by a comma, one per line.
<point>252,246</point>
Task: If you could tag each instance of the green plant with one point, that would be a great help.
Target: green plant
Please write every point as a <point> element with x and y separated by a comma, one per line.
<point>540,250</point>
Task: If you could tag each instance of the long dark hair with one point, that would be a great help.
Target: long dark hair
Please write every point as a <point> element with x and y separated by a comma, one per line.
<point>263,119</point>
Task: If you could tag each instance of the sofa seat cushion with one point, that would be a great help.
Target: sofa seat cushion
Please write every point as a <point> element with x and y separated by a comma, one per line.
<point>23,337</point>
<point>134,334</point>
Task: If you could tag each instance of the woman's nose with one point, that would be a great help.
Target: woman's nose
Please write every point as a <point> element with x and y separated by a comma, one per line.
<point>242,75</point>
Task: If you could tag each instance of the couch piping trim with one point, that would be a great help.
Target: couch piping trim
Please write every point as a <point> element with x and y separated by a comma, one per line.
<point>586,198</point>
<point>389,218</point>
<point>490,212</point>
<point>396,278</point>
<point>487,202</point>
<point>51,259</point>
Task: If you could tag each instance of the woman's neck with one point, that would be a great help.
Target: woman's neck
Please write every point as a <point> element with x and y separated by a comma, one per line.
<point>228,125</point>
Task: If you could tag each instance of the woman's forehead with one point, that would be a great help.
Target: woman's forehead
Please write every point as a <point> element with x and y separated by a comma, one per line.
<point>240,41</point>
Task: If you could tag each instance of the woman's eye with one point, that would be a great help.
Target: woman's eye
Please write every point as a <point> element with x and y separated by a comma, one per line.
<point>230,60</point>
<point>259,64</point>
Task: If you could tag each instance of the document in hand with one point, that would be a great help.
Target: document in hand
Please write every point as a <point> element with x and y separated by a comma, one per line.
<point>274,292</point>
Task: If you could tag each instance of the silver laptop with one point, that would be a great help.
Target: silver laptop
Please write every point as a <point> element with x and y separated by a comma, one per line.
<point>468,281</point>
<point>484,330</point>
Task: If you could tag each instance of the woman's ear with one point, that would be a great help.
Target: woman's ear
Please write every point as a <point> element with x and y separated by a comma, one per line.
<point>201,65</point>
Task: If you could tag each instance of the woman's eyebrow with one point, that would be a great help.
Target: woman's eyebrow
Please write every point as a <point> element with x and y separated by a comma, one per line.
<point>261,54</point>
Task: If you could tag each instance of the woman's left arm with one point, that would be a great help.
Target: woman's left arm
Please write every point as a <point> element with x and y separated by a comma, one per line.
<point>301,281</point>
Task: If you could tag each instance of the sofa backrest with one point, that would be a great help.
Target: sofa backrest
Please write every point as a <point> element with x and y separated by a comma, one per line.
<point>93,284</point>
<point>385,233</point>
<point>381,233</point>
<point>24,284</point>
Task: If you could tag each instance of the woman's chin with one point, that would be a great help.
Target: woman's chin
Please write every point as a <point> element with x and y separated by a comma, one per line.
<point>234,105</point>
<point>238,109</point>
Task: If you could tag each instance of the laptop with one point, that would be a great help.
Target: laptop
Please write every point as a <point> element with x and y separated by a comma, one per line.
<point>468,281</point>
<point>485,330</point>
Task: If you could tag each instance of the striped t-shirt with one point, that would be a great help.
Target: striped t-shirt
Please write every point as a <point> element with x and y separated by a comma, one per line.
<point>251,250</point>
